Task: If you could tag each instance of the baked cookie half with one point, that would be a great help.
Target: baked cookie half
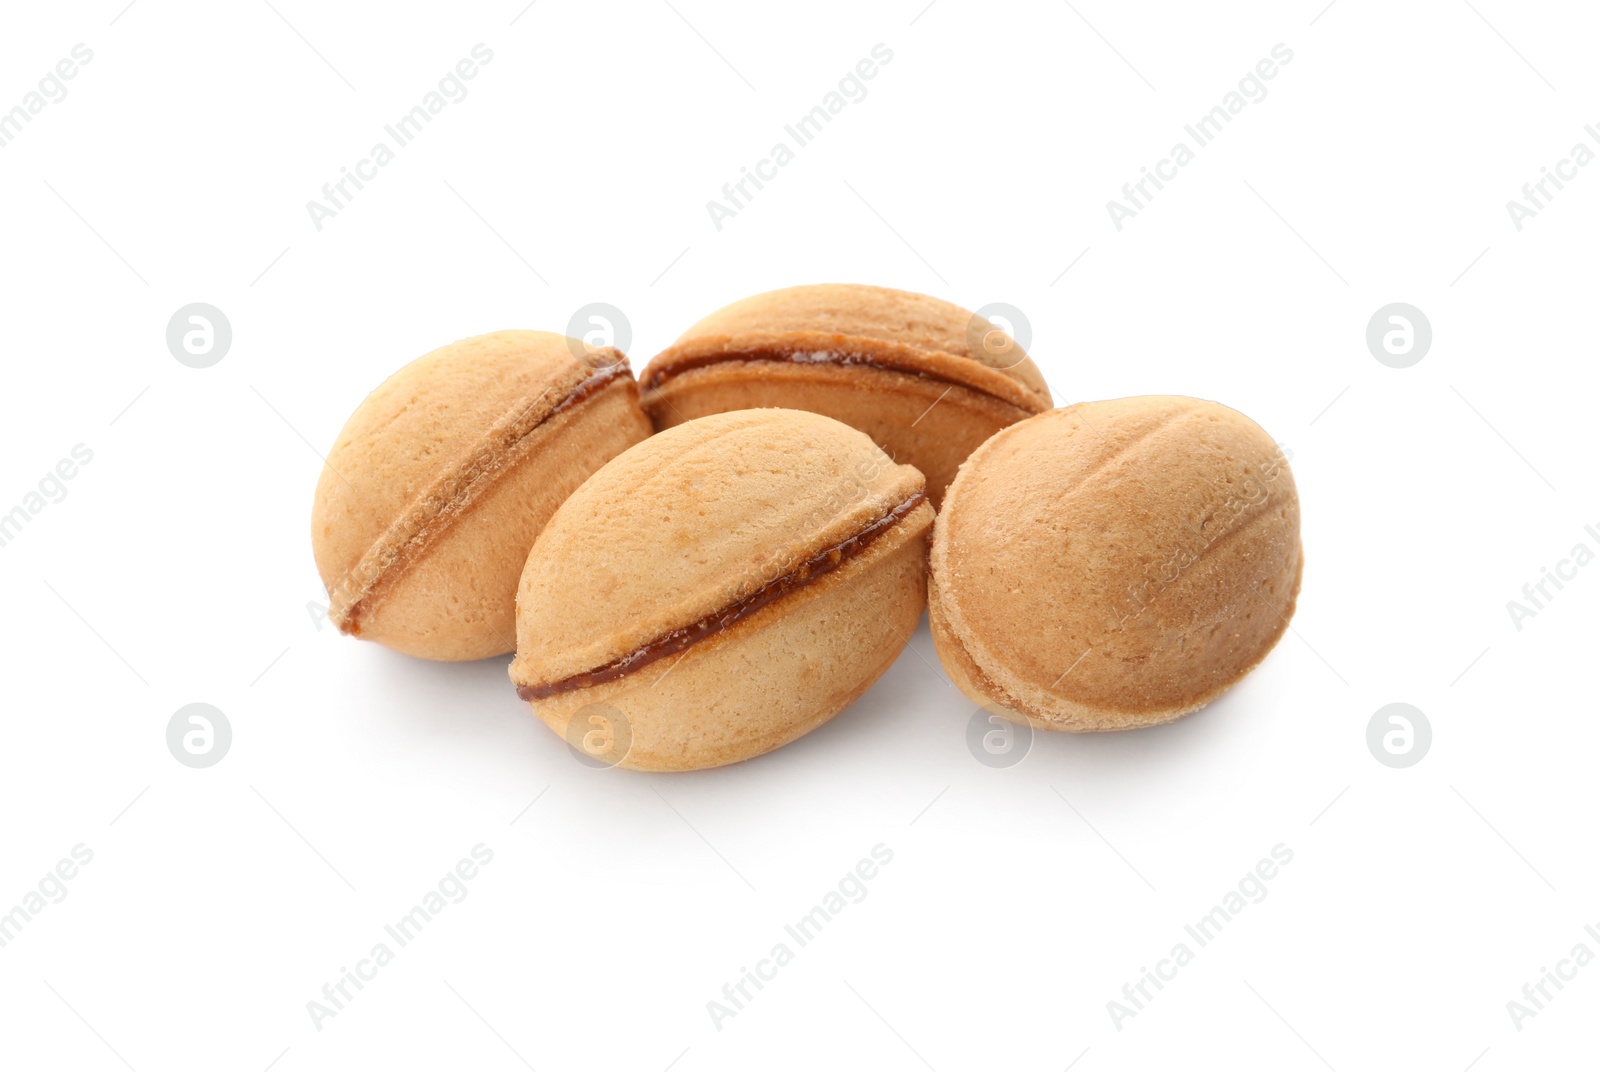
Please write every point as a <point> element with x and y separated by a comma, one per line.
<point>1115,564</point>
<point>440,480</point>
<point>721,589</point>
<point>927,380</point>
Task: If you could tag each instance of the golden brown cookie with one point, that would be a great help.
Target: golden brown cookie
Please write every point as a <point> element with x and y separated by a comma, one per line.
<point>721,589</point>
<point>1114,564</point>
<point>441,479</point>
<point>927,380</point>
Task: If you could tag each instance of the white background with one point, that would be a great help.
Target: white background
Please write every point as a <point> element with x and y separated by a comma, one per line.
<point>1019,901</point>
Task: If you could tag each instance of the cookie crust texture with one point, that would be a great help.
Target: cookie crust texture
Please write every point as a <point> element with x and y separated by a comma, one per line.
<point>928,380</point>
<point>1115,564</point>
<point>443,476</point>
<point>671,538</point>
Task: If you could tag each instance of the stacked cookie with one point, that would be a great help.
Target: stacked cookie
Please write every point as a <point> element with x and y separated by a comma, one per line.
<point>716,589</point>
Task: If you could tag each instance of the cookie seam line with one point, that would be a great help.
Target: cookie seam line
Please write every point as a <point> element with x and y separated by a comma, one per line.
<point>813,570</point>
<point>840,352</point>
<point>419,527</point>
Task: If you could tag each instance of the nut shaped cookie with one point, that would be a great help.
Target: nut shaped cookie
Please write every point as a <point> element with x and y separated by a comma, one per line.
<point>444,475</point>
<point>927,380</point>
<point>1114,564</point>
<point>721,589</point>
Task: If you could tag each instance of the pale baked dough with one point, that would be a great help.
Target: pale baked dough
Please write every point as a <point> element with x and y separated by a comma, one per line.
<point>688,524</point>
<point>1115,564</point>
<point>444,475</point>
<point>927,380</point>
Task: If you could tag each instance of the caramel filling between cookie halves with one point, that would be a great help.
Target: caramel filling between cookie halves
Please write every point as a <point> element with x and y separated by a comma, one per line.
<point>816,358</point>
<point>450,495</point>
<point>812,569</point>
